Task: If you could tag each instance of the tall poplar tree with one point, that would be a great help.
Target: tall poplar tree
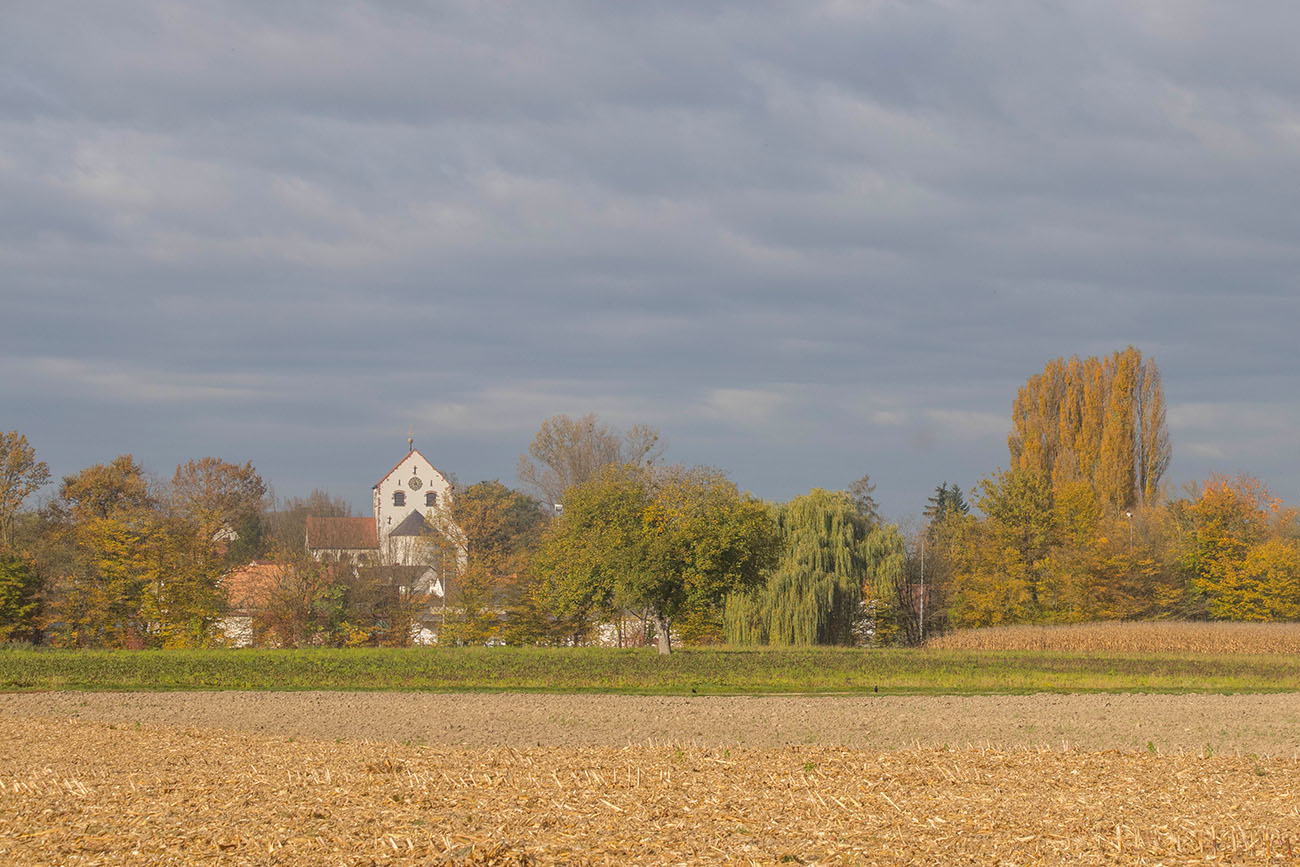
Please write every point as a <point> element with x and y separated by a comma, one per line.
<point>1099,421</point>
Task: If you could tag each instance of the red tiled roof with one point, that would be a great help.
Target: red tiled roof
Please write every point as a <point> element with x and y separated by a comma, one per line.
<point>247,586</point>
<point>349,534</point>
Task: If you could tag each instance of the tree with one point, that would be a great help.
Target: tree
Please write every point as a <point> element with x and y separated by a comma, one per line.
<point>1101,421</point>
<point>587,553</point>
<point>287,525</point>
<point>831,560</point>
<point>502,529</point>
<point>997,568</point>
<point>704,542</point>
<point>117,488</point>
<point>19,584</point>
<point>671,541</point>
<point>1240,551</point>
<point>104,517</point>
<point>302,601</point>
<point>217,496</point>
<point>862,492</point>
<point>474,613</point>
<point>946,501</point>
<point>182,598</point>
<point>21,475</point>
<point>567,452</point>
<point>501,526</point>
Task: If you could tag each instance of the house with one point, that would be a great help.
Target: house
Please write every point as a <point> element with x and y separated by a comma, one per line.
<point>246,590</point>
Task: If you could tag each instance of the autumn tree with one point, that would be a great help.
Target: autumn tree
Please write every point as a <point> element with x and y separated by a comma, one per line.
<point>118,488</point>
<point>1240,551</point>
<point>286,526</point>
<point>21,475</point>
<point>567,452</point>
<point>1100,421</point>
<point>218,497</point>
<point>832,560</point>
<point>181,600</point>
<point>670,540</point>
<point>999,570</point>
<point>502,529</point>
<point>19,584</point>
<point>302,602</point>
<point>473,608</point>
<point>104,517</point>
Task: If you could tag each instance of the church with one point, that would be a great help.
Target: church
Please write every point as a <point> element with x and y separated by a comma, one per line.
<point>411,524</point>
<point>410,544</point>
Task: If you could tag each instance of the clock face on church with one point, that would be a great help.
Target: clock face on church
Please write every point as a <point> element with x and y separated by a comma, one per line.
<point>415,484</point>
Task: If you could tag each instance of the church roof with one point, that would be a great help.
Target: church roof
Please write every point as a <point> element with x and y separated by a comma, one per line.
<point>413,524</point>
<point>351,534</point>
<point>404,459</point>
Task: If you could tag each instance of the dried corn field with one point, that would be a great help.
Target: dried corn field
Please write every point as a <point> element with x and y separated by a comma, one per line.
<point>76,792</point>
<point>1165,636</point>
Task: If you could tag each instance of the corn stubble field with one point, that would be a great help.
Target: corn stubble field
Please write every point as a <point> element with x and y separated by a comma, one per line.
<point>84,781</point>
<point>1162,636</point>
<point>95,793</point>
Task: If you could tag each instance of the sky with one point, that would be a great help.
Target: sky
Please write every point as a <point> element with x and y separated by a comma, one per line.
<point>806,241</point>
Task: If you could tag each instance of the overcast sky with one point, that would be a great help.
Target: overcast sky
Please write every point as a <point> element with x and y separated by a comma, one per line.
<point>806,241</point>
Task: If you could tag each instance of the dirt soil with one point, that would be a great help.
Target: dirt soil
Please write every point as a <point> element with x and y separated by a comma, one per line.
<point>1263,725</point>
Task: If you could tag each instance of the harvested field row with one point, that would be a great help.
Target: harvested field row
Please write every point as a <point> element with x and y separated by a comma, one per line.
<point>1164,636</point>
<point>1221,724</point>
<point>79,793</point>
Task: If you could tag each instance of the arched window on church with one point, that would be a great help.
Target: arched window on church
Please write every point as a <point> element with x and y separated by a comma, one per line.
<point>431,498</point>
<point>399,498</point>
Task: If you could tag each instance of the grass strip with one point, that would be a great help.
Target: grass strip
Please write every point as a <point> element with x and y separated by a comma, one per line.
<point>700,671</point>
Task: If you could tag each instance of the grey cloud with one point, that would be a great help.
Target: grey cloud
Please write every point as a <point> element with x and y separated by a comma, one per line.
<point>807,241</point>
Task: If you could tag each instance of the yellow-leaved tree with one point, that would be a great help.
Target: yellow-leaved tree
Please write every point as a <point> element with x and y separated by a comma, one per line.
<point>1241,552</point>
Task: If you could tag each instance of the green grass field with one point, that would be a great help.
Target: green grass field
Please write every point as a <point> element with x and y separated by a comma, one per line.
<point>704,671</point>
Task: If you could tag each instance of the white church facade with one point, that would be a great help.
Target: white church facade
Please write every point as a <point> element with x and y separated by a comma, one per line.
<point>411,524</point>
<point>410,541</point>
<point>412,506</point>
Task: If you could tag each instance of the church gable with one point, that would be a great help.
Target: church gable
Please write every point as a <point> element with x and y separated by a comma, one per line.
<point>414,485</point>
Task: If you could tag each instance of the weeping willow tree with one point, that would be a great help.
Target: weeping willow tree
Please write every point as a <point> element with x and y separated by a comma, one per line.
<point>833,564</point>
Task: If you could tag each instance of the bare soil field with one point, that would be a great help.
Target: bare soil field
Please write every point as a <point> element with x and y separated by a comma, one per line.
<point>76,792</point>
<point>1264,725</point>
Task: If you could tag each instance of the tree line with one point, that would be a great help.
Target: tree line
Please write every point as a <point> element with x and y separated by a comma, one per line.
<point>607,542</point>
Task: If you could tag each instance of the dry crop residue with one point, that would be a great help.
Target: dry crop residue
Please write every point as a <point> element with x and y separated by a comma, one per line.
<point>1161,637</point>
<point>76,792</point>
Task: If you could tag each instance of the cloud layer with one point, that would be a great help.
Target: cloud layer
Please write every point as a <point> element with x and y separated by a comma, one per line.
<point>806,241</point>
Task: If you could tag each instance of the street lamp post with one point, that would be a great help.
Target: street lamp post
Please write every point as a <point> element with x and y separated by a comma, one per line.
<point>1129,515</point>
